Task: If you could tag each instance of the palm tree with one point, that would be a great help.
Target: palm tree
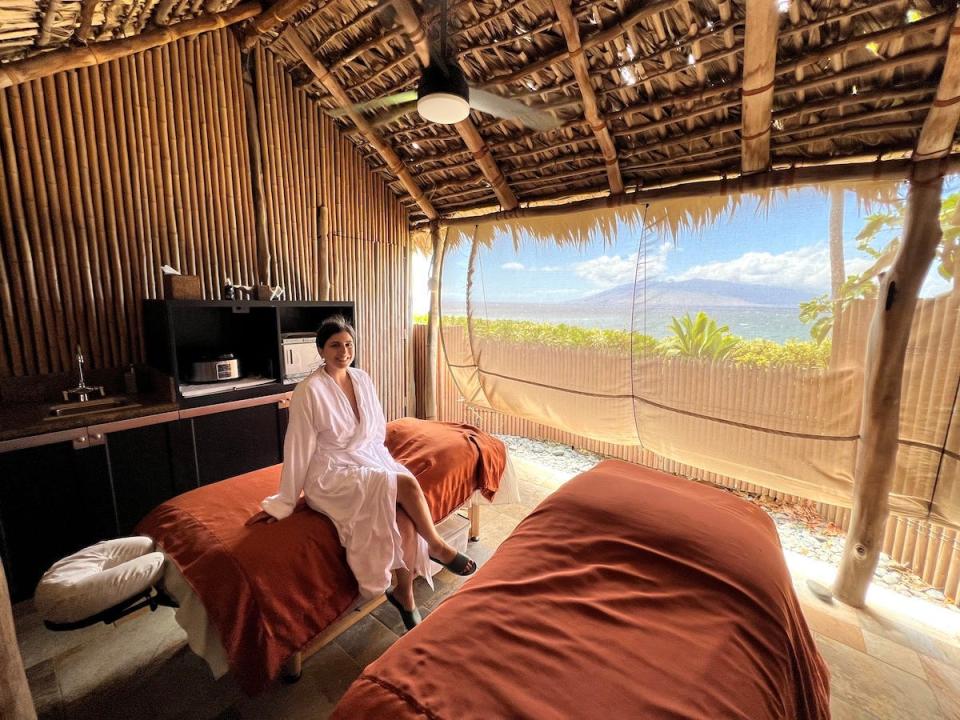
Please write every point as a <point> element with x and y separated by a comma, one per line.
<point>700,337</point>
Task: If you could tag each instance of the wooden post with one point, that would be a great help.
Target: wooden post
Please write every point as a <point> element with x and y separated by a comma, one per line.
<point>256,167</point>
<point>15,699</point>
<point>591,108</point>
<point>433,326</point>
<point>323,250</point>
<point>886,348</point>
<point>759,62</point>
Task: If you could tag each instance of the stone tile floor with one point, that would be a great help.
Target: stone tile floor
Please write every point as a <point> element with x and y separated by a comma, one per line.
<point>898,659</point>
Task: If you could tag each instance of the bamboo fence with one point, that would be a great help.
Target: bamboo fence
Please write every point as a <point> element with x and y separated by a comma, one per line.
<point>929,549</point>
<point>108,172</point>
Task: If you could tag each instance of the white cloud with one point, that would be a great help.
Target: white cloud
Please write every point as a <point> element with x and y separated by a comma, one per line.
<point>512,266</point>
<point>805,268</point>
<point>608,271</point>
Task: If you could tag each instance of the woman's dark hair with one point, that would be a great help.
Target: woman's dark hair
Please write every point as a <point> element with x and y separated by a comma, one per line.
<point>331,326</point>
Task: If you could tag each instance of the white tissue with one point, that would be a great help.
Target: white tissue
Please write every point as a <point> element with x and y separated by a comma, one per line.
<point>167,270</point>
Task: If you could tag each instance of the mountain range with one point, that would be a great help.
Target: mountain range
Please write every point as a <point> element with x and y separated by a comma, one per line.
<point>696,294</point>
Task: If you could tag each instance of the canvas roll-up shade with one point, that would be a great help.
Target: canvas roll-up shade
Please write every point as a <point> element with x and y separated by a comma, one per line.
<point>625,357</point>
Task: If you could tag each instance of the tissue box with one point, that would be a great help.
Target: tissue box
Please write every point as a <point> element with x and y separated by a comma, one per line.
<point>182,287</point>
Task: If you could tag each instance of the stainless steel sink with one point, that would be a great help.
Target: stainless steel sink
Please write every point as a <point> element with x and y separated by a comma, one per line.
<point>90,407</point>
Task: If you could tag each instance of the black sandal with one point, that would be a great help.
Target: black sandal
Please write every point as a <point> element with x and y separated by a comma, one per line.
<point>411,618</point>
<point>460,565</point>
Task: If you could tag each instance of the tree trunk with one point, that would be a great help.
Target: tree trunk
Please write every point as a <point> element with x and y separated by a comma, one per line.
<point>880,421</point>
<point>837,271</point>
<point>433,327</point>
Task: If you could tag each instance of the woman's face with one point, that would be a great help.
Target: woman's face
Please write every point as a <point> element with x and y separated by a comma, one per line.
<point>337,352</point>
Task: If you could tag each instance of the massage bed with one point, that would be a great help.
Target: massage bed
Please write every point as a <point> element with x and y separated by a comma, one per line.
<point>260,598</point>
<point>628,593</point>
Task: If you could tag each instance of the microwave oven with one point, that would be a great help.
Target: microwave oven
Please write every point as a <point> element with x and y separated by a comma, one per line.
<point>300,356</point>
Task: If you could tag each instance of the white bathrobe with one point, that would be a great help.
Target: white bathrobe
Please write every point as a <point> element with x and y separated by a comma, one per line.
<point>344,471</point>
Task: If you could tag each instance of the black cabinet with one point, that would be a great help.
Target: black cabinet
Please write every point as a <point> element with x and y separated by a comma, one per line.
<point>235,442</point>
<point>149,465</point>
<point>181,332</point>
<point>57,497</point>
<point>54,500</point>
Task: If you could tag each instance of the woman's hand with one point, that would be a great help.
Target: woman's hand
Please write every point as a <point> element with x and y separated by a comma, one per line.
<point>262,516</point>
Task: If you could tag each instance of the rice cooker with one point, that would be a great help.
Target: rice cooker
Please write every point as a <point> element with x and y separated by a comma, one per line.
<point>222,367</point>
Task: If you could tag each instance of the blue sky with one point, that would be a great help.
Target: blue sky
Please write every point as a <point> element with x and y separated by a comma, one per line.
<point>785,245</point>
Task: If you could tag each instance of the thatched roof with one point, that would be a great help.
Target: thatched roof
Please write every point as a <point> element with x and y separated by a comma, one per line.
<point>659,93</point>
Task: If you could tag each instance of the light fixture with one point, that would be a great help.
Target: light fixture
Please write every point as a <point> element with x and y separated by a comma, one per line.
<point>709,24</point>
<point>853,90</point>
<point>628,75</point>
<point>415,146</point>
<point>443,96</point>
<point>873,47</point>
<point>783,5</point>
<point>778,124</point>
<point>914,15</point>
<point>691,60</point>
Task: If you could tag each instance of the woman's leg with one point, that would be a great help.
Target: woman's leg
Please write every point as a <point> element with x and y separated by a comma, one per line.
<point>410,498</point>
<point>408,534</point>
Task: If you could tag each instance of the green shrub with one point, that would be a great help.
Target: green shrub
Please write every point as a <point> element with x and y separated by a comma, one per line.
<point>754,353</point>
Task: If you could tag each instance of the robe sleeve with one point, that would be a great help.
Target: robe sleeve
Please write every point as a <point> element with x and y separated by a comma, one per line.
<point>298,448</point>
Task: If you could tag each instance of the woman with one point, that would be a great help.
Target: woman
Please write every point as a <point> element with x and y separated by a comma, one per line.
<point>334,454</point>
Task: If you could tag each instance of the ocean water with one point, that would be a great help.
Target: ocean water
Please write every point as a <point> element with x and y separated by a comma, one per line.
<point>749,322</point>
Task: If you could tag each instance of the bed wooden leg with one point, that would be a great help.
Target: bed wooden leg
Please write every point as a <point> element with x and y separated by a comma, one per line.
<point>292,669</point>
<point>474,522</point>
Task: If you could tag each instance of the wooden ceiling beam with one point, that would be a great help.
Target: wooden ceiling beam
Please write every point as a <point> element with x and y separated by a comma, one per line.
<point>413,28</point>
<point>591,109</point>
<point>759,64</point>
<point>277,14</point>
<point>755,182</point>
<point>293,40</point>
<point>38,66</point>
<point>936,137</point>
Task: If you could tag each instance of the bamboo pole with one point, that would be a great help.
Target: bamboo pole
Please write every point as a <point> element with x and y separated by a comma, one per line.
<point>323,243</point>
<point>275,15</point>
<point>114,204</point>
<point>220,243</point>
<point>227,157</point>
<point>17,323</point>
<point>27,269</point>
<point>38,66</point>
<point>936,137</point>
<point>129,158</point>
<point>61,229</point>
<point>759,61</point>
<point>38,210</point>
<point>203,149</point>
<point>430,389</point>
<point>591,108</point>
<point>879,429</point>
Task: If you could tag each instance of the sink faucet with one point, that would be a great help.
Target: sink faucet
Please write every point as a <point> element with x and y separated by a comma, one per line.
<point>82,392</point>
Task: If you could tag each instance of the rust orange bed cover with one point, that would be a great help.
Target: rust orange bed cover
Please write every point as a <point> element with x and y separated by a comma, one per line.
<point>628,593</point>
<point>270,588</point>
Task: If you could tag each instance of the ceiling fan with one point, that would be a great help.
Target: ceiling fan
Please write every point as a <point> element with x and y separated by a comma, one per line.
<point>444,96</point>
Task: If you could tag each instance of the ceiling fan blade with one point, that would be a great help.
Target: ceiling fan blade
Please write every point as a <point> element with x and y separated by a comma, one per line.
<point>501,107</point>
<point>386,101</point>
<point>393,115</point>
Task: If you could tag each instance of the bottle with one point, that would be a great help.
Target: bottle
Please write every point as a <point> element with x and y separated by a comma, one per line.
<point>130,380</point>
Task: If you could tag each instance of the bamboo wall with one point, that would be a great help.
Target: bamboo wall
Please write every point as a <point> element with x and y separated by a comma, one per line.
<point>108,172</point>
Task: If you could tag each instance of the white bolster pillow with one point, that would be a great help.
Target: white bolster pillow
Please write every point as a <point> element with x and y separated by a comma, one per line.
<point>97,578</point>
